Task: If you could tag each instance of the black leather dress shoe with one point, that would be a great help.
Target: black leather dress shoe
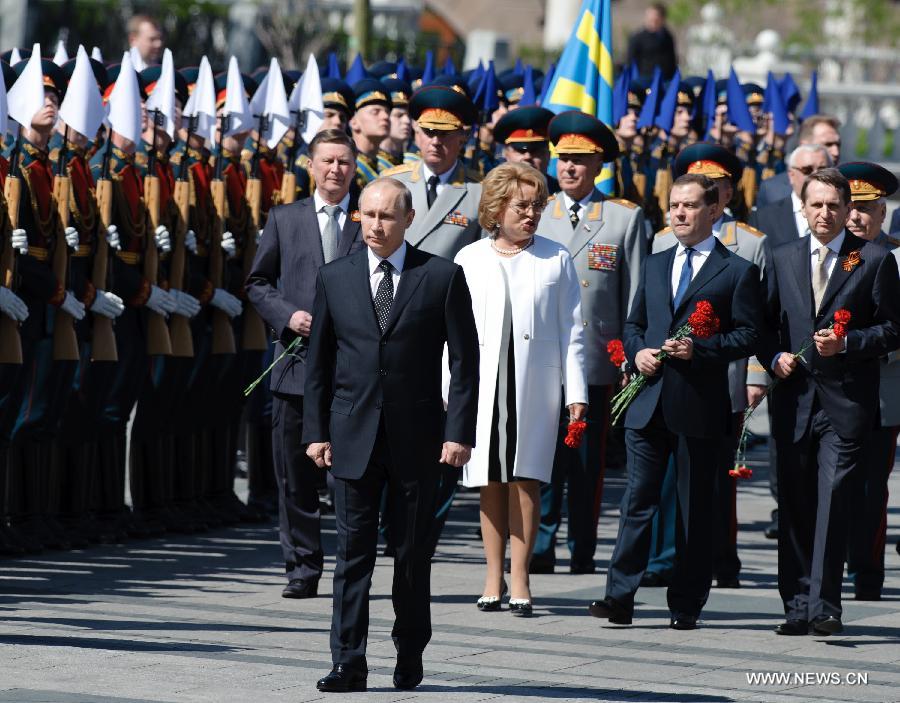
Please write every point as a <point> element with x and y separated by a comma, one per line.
<point>793,628</point>
<point>612,610</point>
<point>732,582</point>
<point>827,625</point>
<point>301,588</point>
<point>771,531</point>
<point>867,594</point>
<point>408,674</point>
<point>651,579</point>
<point>582,567</point>
<point>541,566</point>
<point>683,622</point>
<point>342,680</point>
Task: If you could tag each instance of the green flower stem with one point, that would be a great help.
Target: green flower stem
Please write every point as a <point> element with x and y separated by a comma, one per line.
<point>287,350</point>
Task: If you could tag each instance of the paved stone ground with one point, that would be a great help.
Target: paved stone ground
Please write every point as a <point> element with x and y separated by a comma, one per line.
<point>201,619</point>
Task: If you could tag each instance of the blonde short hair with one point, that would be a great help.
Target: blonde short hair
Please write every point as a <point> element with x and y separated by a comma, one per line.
<point>498,188</point>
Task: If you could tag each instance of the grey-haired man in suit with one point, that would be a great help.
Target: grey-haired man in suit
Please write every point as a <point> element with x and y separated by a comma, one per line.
<point>607,242</point>
<point>298,239</point>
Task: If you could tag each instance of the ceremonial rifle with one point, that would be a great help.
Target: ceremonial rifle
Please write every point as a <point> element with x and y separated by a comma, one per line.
<point>158,341</point>
<point>65,342</point>
<point>103,340</point>
<point>254,333</point>
<point>10,341</point>
<point>222,331</point>
<point>289,181</point>
<point>179,325</point>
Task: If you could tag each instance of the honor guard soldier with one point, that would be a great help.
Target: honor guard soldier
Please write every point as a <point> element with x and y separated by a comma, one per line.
<point>370,125</point>
<point>523,134</point>
<point>632,181</point>
<point>395,148</point>
<point>445,196</point>
<point>870,185</point>
<point>607,241</point>
<point>747,380</point>
<point>38,398</point>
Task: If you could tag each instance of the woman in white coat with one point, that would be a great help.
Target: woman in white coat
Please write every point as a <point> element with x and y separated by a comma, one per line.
<point>527,307</point>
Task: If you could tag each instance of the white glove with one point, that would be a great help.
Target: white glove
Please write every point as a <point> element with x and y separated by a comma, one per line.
<point>190,241</point>
<point>229,246</point>
<point>163,240</point>
<point>226,302</point>
<point>20,240</point>
<point>73,306</point>
<point>186,305</point>
<point>12,305</point>
<point>107,304</point>
<point>258,236</point>
<point>160,301</point>
<point>71,235</point>
<point>112,237</point>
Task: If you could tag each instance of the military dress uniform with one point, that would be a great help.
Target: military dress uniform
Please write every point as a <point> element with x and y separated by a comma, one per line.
<point>525,130</point>
<point>607,241</point>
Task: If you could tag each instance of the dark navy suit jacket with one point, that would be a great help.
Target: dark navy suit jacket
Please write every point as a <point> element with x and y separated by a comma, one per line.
<point>283,279</point>
<point>846,385</point>
<point>358,376</point>
<point>694,394</point>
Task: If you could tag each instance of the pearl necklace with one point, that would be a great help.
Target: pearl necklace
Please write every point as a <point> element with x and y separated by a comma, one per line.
<point>511,252</point>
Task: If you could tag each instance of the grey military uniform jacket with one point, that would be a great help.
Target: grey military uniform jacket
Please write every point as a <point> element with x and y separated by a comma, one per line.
<point>748,243</point>
<point>452,221</point>
<point>608,246</point>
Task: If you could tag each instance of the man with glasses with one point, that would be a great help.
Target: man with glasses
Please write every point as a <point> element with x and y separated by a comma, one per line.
<point>816,129</point>
<point>606,239</point>
<point>523,134</point>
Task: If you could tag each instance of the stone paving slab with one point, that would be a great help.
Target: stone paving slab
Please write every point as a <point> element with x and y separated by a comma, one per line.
<point>200,619</point>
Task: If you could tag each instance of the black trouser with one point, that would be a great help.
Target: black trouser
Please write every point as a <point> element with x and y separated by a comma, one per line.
<point>412,498</point>
<point>868,505</point>
<point>648,451</point>
<point>298,500</point>
<point>813,502</point>
<point>726,563</point>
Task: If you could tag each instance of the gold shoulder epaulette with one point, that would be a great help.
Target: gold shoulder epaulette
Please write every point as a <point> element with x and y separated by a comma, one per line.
<point>622,201</point>
<point>751,230</point>
<point>397,170</point>
<point>664,231</point>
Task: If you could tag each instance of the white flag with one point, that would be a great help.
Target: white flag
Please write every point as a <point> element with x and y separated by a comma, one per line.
<point>307,96</point>
<point>82,108</point>
<point>14,56</point>
<point>270,100</point>
<point>61,55</point>
<point>96,55</point>
<point>137,60</point>
<point>163,96</point>
<point>125,103</point>
<point>26,97</point>
<point>236,105</point>
<point>201,105</point>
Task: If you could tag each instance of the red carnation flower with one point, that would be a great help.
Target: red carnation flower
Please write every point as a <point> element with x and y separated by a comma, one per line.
<point>616,351</point>
<point>842,316</point>
<point>703,321</point>
<point>840,330</point>
<point>575,434</point>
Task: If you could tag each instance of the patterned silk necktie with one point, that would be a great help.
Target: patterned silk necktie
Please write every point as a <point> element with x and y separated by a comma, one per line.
<point>820,277</point>
<point>573,214</point>
<point>330,233</point>
<point>384,295</point>
<point>431,192</point>
<point>684,280</point>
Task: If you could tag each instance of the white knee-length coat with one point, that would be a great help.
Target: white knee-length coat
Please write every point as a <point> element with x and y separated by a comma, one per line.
<point>547,337</point>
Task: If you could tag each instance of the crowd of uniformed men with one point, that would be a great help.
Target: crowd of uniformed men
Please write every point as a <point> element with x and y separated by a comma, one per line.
<point>153,285</point>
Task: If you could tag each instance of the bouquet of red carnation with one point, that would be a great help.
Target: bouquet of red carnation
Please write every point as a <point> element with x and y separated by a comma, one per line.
<point>838,325</point>
<point>575,434</point>
<point>702,324</point>
<point>616,351</point>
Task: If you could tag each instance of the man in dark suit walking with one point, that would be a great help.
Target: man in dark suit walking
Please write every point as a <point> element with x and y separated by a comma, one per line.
<point>374,415</point>
<point>685,409</point>
<point>827,401</point>
<point>297,240</point>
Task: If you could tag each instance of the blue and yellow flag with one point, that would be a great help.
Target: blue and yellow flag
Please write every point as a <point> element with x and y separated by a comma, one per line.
<point>584,75</point>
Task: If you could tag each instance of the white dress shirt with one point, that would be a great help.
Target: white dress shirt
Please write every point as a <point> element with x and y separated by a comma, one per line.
<point>396,260</point>
<point>442,177</point>
<point>834,250</point>
<point>799,217</point>
<point>702,251</point>
<point>322,216</point>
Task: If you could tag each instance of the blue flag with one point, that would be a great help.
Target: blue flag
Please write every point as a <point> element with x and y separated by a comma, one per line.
<point>528,96</point>
<point>738,112</point>
<point>334,70</point>
<point>773,102</point>
<point>620,96</point>
<point>403,70</point>
<point>428,71</point>
<point>486,99</point>
<point>651,101</point>
<point>812,101</point>
<point>356,72</point>
<point>790,93</point>
<point>474,79</point>
<point>518,69</point>
<point>548,80</point>
<point>666,117</point>
<point>449,67</point>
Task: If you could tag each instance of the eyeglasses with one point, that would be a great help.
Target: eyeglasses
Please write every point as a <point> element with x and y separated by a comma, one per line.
<point>528,147</point>
<point>805,170</point>
<point>521,207</point>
